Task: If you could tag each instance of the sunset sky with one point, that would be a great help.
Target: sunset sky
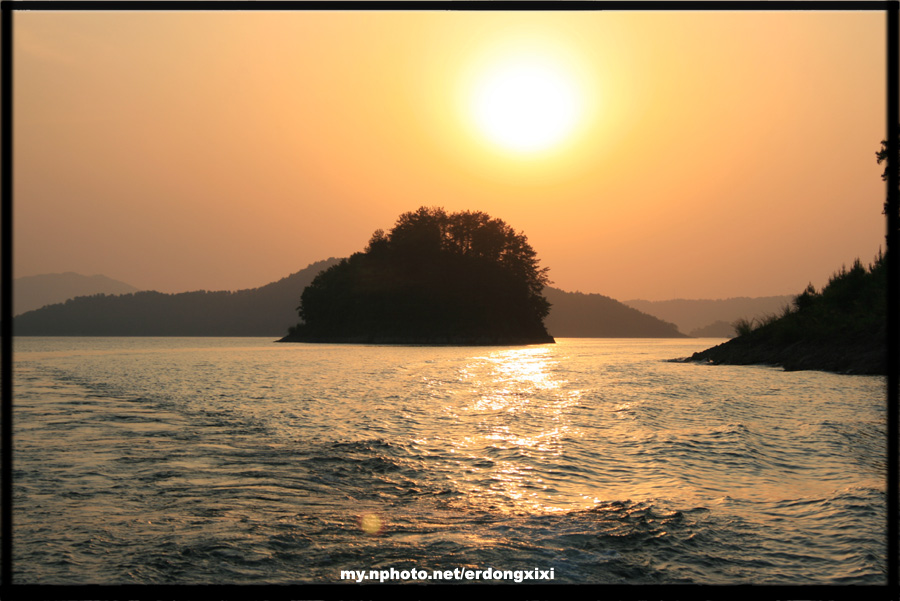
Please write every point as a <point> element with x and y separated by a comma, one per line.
<point>649,155</point>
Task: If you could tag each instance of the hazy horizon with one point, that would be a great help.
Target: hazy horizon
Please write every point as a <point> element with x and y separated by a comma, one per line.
<point>710,155</point>
<point>100,275</point>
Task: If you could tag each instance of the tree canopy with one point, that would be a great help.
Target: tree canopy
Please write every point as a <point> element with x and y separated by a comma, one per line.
<point>460,278</point>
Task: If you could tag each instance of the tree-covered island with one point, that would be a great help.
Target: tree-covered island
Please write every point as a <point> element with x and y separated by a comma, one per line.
<point>436,278</point>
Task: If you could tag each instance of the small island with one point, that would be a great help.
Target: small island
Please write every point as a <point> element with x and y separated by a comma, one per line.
<point>841,329</point>
<point>434,279</point>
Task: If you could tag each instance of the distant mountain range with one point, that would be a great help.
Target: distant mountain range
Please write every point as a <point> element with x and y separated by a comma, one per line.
<point>717,329</point>
<point>265,311</point>
<point>35,291</point>
<point>70,304</point>
<point>712,318</point>
<point>271,309</point>
<point>578,315</point>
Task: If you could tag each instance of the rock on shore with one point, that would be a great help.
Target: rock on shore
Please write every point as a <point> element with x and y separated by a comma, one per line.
<point>852,357</point>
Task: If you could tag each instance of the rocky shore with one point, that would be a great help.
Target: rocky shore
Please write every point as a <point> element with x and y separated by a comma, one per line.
<point>861,356</point>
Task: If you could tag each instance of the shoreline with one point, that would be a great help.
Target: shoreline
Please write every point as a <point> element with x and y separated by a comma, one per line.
<point>859,357</point>
<point>421,340</point>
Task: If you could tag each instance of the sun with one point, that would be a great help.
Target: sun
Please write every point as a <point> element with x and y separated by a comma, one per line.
<point>526,105</point>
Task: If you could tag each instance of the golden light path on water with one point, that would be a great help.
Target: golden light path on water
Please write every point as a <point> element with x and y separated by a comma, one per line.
<point>519,409</point>
<point>527,434</point>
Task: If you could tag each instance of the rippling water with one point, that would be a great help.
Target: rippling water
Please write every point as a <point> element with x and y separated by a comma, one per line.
<point>210,460</point>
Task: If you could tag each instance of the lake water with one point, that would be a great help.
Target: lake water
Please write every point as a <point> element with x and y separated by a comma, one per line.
<point>241,460</point>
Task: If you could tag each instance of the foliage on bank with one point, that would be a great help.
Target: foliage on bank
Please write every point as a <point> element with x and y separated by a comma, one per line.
<point>460,278</point>
<point>841,328</point>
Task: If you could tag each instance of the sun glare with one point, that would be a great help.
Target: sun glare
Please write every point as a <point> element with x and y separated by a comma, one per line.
<point>525,105</point>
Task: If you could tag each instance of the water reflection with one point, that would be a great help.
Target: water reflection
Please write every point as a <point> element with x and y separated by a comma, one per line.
<point>332,457</point>
<point>515,413</point>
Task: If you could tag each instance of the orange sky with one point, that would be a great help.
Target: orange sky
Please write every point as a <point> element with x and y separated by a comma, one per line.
<point>720,154</point>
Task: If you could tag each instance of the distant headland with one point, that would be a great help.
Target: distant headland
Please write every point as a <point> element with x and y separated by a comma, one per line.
<point>841,329</point>
<point>436,278</point>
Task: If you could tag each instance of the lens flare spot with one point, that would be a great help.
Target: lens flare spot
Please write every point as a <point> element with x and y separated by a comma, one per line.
<point>371,524</point>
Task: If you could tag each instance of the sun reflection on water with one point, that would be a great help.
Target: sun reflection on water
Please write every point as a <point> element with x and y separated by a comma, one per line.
<point>515,415</point>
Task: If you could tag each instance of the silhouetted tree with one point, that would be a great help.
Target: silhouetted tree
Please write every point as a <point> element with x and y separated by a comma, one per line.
<point>882,156</point>
<point>435,277</point>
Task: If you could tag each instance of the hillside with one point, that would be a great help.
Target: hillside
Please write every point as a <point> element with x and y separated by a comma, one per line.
<point>271,309</point>
<point>717,329</point>
<point>35,291</point>
<point>700,314</point>
<point>579,315</point>
<point>841,328</point>
<point>265,311</point>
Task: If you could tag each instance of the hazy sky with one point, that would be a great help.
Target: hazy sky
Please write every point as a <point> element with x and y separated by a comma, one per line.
<point>702,154</point>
